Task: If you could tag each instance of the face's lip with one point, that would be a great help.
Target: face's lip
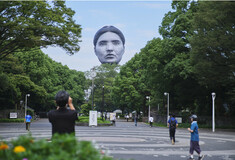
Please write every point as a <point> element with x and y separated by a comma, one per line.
<point>110,56</point>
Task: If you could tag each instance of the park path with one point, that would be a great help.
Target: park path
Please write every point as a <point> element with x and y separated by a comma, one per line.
<point>126,141</point>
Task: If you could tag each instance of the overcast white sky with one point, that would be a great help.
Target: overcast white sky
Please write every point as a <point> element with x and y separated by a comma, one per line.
<point>138,20</point>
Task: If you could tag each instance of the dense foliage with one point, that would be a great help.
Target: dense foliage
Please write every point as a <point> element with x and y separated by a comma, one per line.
<point>194,58</point>
<point>36,74</point>
<point>103,85</point>
<point>61,147</point>
<point>33,24</point>
<point>129,88</point>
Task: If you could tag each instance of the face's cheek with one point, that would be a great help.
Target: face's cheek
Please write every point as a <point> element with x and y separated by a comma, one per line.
<point>119,50</point>
<point>100,51</point>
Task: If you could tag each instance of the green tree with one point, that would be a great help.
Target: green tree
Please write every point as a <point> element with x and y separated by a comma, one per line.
<point>52,76</point>
<point>15,84</point>
<point>33,24</point>
<point>105,75</point>
<point>213,51</point>
<point>170,57</point>
<point>85,108</point>
<point>129,91</point>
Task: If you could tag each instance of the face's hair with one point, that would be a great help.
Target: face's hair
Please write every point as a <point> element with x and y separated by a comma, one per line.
<point>108,29</point>
<point>193,119</point>
<point>62,98</point>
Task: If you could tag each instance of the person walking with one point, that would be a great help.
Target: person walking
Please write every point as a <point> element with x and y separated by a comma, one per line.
<point>151,121</point>
<point>114,120</point>
<point>136,120</point>
<point>27,121</point>
<point>194,141</point>
<point>127,118</point>
<point>172,124</point>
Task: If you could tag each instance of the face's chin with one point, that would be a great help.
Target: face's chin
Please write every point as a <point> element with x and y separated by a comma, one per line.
<point>109,60</point>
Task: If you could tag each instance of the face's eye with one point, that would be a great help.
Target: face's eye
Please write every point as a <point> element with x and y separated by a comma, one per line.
<point>102,43</point>
<point>116,42</point>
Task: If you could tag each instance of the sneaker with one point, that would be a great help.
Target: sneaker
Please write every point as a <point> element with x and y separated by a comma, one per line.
<point>201,158</point>
<point>172,141</point>
<point>190,158</point>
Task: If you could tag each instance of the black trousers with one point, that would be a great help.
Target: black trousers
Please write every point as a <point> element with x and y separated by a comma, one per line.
<point>172,134</point>
<point>28,126</point>
<point>194,146</point>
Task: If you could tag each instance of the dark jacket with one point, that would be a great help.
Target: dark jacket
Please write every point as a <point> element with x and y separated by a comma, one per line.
<point>62,120</point>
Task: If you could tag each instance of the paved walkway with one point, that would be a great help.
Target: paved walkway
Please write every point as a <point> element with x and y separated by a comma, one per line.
<point>127,141</point>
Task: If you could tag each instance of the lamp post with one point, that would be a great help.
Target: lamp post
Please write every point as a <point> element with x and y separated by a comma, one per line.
<point>27,95</point>
<point>21,104</point>
<point>93,74</point>
<point>148,97</point>
<point>213,111</point>
<point>167,94</point>
<point>102,103</point>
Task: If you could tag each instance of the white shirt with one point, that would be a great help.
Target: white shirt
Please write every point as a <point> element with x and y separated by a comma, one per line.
<point>150,119</point>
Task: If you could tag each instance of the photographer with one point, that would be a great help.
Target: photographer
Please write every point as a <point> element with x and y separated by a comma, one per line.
<point>63,119</point>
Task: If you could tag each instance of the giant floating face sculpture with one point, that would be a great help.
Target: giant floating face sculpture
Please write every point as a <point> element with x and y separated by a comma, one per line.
<point>109,44</point>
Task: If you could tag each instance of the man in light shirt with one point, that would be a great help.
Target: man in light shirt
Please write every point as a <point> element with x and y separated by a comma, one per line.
<point>151,121</point>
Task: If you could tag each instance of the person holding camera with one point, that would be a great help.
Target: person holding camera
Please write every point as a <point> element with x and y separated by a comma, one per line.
<point>63,119</point>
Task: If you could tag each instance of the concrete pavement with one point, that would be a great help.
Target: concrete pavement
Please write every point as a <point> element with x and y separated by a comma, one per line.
<point>127,141</point>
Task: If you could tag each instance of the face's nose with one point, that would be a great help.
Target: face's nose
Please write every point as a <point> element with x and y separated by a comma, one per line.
<point>109,47</point>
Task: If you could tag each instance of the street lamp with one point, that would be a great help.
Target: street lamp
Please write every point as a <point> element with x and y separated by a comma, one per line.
<point>148,97</point>
<point>21,104</point>
<point>102,103</point>
<point>167,94</point>
<point>213,111</point>
<point>27,95</point>
<point>93,74</point>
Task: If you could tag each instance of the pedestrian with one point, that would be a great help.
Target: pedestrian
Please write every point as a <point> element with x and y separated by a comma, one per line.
<point>63,119</point>
<point>136,120</point>
<point>172,124</point>
<point>27,121</point>
<point>127,118</point>
<point>194,141</point>
<point>151,121</point>
<point>114,120</point>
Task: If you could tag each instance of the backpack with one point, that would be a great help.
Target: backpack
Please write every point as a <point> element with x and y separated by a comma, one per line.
<point>173,124</point>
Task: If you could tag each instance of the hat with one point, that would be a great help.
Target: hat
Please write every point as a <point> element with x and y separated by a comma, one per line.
<point>194,116</point>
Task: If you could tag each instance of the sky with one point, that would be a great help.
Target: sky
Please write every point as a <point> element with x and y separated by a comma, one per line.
<point>138,20</point>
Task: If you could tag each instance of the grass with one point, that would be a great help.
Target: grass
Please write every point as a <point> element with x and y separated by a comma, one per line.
<point>85,119</point>
<point>18,120</point>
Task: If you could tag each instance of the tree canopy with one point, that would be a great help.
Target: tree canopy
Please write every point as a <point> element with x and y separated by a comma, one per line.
<point>194,58</point>
<point>36,74</point>
<point>103,85</point>
<point>32,24</point>
<point>213,50</point>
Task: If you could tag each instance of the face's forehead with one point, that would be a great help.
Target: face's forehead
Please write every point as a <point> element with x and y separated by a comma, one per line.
<point>109,36</point>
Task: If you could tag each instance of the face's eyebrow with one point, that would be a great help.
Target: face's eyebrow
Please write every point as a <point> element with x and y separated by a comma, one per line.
<point>102,42</point>
<point>116,40</point>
